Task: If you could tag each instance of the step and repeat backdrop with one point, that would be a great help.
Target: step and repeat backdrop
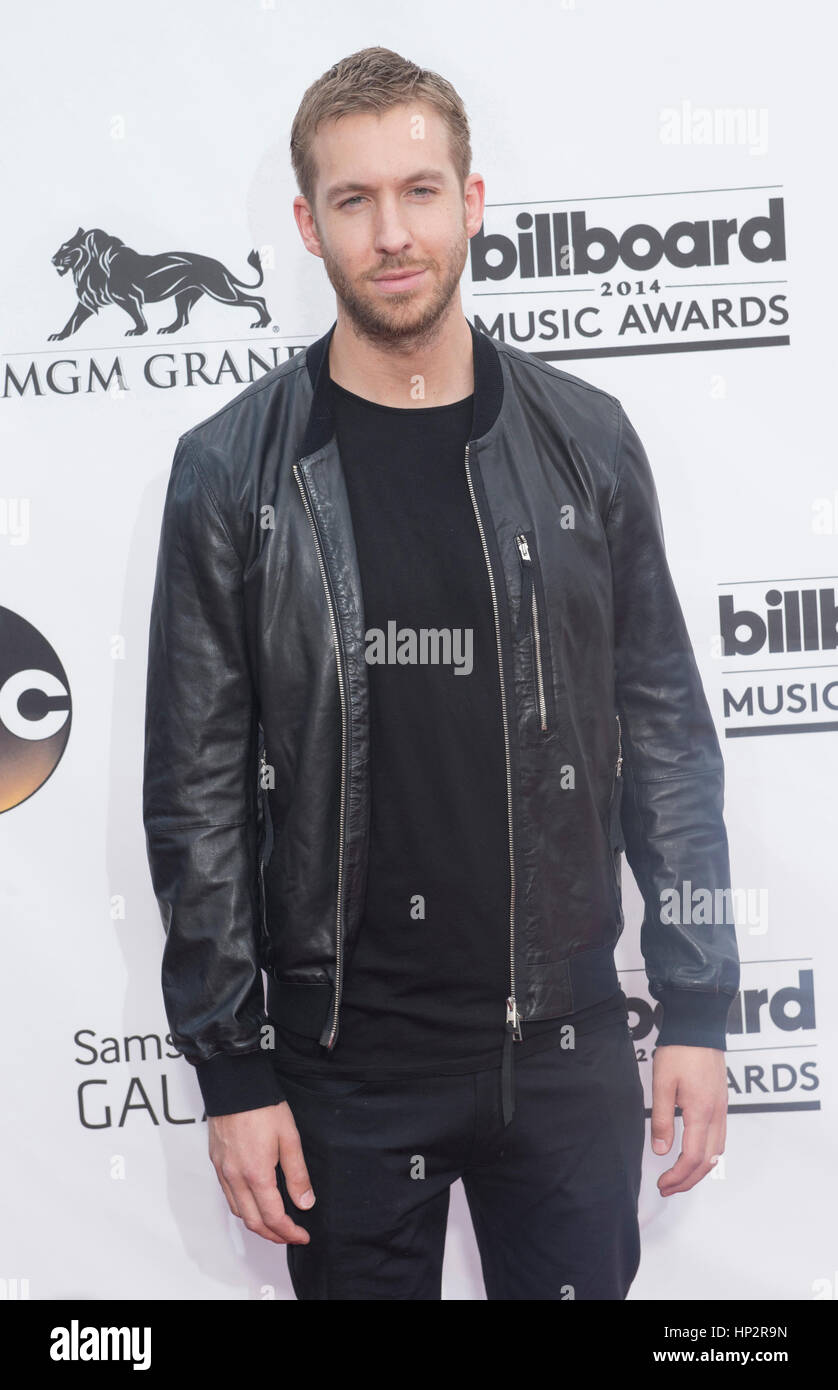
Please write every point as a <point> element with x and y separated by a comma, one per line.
<point>682,154</point>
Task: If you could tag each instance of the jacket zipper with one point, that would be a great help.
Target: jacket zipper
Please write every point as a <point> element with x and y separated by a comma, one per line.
<point>338,933</point>
<point>618,772</point>
<point>513,1020</point>
<point>265,813</point>
<point>526,560</point>
<point>614,830</point>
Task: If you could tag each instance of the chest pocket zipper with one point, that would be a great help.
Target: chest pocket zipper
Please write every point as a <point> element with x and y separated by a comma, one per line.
<point>532,617</point>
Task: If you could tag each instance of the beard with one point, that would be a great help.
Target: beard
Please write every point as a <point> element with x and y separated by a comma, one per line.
<point>402,322</point>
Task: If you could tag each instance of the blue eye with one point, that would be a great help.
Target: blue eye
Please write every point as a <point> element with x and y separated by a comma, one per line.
<point>356,197</point>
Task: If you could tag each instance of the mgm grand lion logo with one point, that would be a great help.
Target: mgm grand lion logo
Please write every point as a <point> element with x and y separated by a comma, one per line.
<point>106,271</point>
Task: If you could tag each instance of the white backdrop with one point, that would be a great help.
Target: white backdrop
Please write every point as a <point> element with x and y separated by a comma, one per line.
<point>167,126</point>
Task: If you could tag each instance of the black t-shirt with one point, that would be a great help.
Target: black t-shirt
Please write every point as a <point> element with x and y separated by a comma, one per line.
<point>425,989</point>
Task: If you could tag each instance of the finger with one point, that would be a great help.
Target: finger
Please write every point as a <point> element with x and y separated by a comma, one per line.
<point>663,1111</point>
<point>272,1214</point>
<point>249,1212</point>
<point>294,1169</point>
<point>680,1178</point>
<point>693,1162</point>
<point>716,1138</point>
<point>228,1193</point>
<point>683,1176</point>
<point>722,1122</point>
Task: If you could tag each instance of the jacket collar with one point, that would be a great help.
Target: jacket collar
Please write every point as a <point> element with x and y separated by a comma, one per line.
<point>488,390</point>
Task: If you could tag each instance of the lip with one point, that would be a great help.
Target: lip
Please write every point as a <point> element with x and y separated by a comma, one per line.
<point>399,280</point>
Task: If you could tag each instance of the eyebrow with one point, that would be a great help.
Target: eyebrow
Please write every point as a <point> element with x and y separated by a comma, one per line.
<point>337,189</point>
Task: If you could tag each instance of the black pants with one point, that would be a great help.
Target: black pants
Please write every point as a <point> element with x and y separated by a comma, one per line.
<point>552,1196</point>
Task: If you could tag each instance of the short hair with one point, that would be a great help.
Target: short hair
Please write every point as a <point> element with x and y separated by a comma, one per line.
<point>374,79</point>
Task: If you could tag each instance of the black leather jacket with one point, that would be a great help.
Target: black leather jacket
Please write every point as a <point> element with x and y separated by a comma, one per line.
<point>257,660</point>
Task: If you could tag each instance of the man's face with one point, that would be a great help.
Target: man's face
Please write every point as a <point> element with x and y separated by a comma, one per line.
<point>387,203</point>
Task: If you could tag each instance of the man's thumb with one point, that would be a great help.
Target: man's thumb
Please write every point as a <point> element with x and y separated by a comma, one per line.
<point>297,1179</point>
<point>663,1111</point>
<point>663,1130</point>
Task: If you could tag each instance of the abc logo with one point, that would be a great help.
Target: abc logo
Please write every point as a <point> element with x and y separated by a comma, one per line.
<point>35,710</point>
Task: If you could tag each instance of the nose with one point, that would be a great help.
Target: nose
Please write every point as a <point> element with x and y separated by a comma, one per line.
<point>391,232</point>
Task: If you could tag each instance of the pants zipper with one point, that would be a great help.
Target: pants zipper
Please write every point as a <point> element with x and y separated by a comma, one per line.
<point>513,1020</point>
<point>329,1034</point>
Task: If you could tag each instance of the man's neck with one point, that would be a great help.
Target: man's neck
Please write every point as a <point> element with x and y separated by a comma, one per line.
<point>436,373</point>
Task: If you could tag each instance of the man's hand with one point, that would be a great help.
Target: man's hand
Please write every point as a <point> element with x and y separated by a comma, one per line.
<point>244,1149</point>
<point>696,1079</point>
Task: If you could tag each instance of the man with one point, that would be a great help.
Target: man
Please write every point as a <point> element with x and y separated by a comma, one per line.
<point>420,577</point>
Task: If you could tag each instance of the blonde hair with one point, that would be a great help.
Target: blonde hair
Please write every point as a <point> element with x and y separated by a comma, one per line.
<point>374,79</point>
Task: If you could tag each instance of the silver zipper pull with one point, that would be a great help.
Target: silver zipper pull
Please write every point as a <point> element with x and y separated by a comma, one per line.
<point>513,1017</point>
<point>619,748</point>
<point>523,547</point>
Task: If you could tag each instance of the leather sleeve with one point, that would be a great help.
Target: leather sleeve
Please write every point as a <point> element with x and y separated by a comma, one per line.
<point>673,790</point>
<point>199,798</point>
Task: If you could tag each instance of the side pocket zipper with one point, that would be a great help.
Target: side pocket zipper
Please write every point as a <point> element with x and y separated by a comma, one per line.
<point>260,850</point>
<point>615,825</point>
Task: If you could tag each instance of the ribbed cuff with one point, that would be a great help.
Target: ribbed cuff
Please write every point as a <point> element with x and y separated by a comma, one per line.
<point>231,1082</point>
<point>694,1018</point>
